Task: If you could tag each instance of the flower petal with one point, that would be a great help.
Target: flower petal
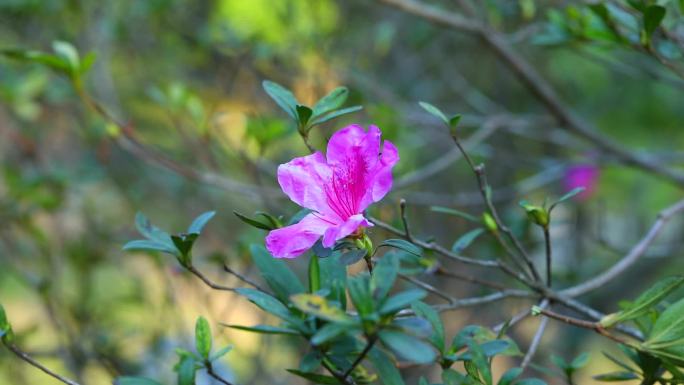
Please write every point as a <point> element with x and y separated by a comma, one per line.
<point>381,179</point>
<point>353,141</point>
<point>335,233</point>
<point>292,241</point>
<point>303,180</point>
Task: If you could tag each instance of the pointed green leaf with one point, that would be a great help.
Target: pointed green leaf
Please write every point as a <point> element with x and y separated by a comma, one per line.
<point>402,300</point>
<point>434,111</point>
<point>616,377</point>
<point>282,96</point>
<point>253,222</point>
<point>335,114</point>
<point>198,224</point>
<point>653,16</point>
<point>303,114</point>
<point>402,244</point>
<point>331,101</point>
<point>387,370</point>
<point>384,274</point>
<point>315,377</point>
<point>426,311</point>
<point>277,275</point>
<point>127,380</point>
<point>264,329</point>
<point>647,300</point>
<point>320,307</point>
<point>510,376</point>
<point>408,347</point>
<point>465,240</point>
<point>265,302</point>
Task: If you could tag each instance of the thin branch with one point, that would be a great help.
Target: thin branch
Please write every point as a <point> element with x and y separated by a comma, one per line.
<point>24,356</point>
<point>241,277</point>
<point>206,280</point>
<point>534,345</point>
<point>539,87</point>
<point>474,301</point>
<point>210,372</point>
<point>631,258</point>
<point>362,355</point>
<point>428,287</point>
<point>469,278</point>
<point>595,326</point>
<point>407,230</point>
<point>547,244</point>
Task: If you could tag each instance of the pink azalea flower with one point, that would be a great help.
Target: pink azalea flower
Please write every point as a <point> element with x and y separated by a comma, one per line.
<point>337,188</point>
<point>582,175</point>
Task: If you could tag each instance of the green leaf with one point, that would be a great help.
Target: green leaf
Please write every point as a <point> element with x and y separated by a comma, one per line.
<point>331,101</point>
<point>559,362</point>
<point>384,275</point>
<point>359,291</point>
<point>282,96</point>
<point>479,359</point>
<point>616,376</point>
<point>186,371</point>
<point>452,377</point>
<point>488,348</point>
<point>403,245</point>
<point>184,243</point>
<point>387,371</point>
<point>303,114</point>
<point>151,232</point>
<point>315,377</point>
<point>277,275</point>
<point>567,196</point>
<point>87,62</point>
<point>335,114</point>
<point>426,311</point>
<point>334,278</point>
<point>434,111</point>
<point>253,222</point>
<point>265,302</point>
<point>203,337</point>
<point>408,347</point>
<point>453,122</point>
<point>198,224</point>
<point>264,329</point>
<point>647,300</point>
<point>666,338</point>
<point>510,376</point>
<point>458,213</point>
<point>127,380</point>
<point>49,60</point>
<point>653,16</point>
<point>580,361</point>
<point>402,300</point>
<point>352,256</point>
<point>530,381</point>
<point>70,55</point>
<point>618,361</point>
<point>466,239</point>
<point>146,245</point>
<point>220,353</point>
<point>320,307</point>
<point>314,274</point>
<point>329,332</point>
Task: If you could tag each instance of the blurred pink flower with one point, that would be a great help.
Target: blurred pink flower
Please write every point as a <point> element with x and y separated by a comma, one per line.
<point>582,175</point>
<point>337,188</point>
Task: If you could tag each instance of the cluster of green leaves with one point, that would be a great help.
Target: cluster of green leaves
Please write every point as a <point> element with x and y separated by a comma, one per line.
<point>306,117</point>
<point>65,59</point>
<point>663,328</point>
<point>606,22</point>
<point>570,368</point>
<point>188,362</point>
<point>179,245</point>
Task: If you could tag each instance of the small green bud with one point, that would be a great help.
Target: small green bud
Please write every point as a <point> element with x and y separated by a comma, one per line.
<point>536,214</point>
<point>489,222</point>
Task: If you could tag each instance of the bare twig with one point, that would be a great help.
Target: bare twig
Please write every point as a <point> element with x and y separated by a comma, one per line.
<point>595,326</point>
<point>547,247</point>
<point>529,76</point>
<point>632,257</point>
<point>534,345</point>
<point>474,301</point>
<point>404,220</point>
<point>469,278</point>
<point>241,277</point>
<point>428,287</point>
<point>25,357</point>
<point>361,356</point>
<point>206,280</point>
<point>210,372</point>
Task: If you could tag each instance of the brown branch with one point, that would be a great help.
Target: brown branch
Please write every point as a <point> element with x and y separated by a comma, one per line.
<point>537,85</point>
<point>595,326</point>
<point>25,357</point>
<point>210,372</point>
<point>206,280</point>
<point>404,220</point>
<point>631,258</point>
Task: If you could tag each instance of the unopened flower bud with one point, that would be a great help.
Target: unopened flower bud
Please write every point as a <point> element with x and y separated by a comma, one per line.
<point>489,222</point>
<point>536,214</point>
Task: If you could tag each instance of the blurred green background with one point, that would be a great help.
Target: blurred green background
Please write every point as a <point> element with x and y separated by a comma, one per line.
<point>186,76</point>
